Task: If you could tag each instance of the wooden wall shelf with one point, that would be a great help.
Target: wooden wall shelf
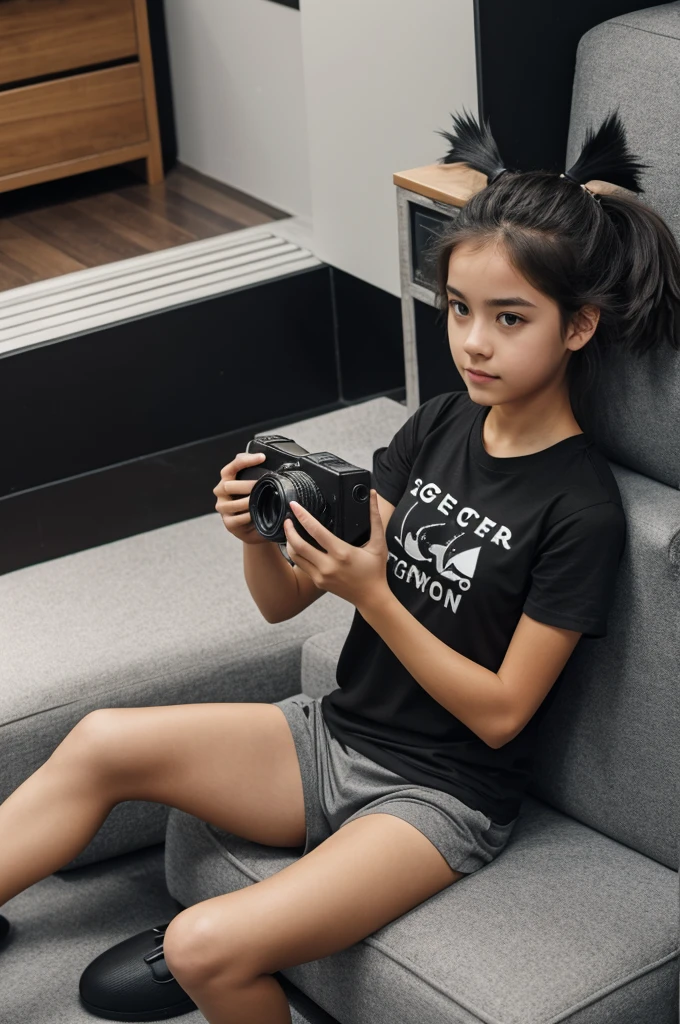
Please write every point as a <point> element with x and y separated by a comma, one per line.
<point>76,89</point>
<point>452,184</point>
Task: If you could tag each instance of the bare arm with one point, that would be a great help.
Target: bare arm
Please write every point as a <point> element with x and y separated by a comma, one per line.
<point>495,706</point>
<point>279,590</point>
<point>273,582</point>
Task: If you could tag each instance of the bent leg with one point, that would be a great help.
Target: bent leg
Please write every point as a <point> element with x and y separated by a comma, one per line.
<point>223,951</point>
<point>233,765</point>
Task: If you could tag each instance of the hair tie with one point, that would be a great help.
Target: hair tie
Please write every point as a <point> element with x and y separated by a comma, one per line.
<point>588,190</point>
<point>497,174</point>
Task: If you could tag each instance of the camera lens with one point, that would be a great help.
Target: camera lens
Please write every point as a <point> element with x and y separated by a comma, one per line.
<point>270,497</point>
<point>269,506</point>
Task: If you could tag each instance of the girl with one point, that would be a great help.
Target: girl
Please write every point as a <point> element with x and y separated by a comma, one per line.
<point>497,531</point>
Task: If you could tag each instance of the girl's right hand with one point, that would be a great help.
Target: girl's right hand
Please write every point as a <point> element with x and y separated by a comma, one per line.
<point>233,498</point>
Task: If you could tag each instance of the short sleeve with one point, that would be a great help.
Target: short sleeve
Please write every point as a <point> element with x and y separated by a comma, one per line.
<point>575,570</point>
<point>392,464</point>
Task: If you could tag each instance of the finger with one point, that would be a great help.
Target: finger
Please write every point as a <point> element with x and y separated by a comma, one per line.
<point>233,507</point>
<point>241,461</point>
<point>302,549</point>
<point>376,540</point>
<point>302,563</point>
<point>375,510</point>
<point>234,490</point>
<point>314,528</point>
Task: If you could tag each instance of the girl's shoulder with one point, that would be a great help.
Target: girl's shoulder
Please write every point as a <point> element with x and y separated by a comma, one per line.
<point>446,409</point>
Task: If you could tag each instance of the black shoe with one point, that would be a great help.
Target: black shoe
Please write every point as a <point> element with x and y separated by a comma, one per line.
<point>131,981</point>
<point>6,931</point>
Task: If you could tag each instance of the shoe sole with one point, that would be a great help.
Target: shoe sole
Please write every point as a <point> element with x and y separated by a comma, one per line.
<point>162,1014</point>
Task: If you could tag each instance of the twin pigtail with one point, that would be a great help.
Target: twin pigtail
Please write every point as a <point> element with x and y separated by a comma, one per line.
<point>474,145</point>
<point>604,154</point>
<point>617,253</point>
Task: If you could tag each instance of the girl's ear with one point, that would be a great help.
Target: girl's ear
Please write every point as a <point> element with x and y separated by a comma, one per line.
<point>583,326</point>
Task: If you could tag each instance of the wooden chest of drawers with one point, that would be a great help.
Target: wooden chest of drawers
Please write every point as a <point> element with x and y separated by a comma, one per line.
<point>76,89</point>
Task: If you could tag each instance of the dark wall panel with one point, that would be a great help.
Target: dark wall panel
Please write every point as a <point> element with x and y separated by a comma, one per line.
<point>162,82</point>
<point>437,371</point>
<point>370,347</point>
<point>526,57</point>
<point>167,379</point>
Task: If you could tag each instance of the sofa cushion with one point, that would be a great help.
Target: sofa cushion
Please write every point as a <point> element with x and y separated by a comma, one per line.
<point>607,750</point>
<point>565,925</point>
<point>320,654</point>
<point>163,617</point>
<point>631,63</point>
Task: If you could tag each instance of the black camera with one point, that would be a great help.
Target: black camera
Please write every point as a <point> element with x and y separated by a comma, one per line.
<point>334,491</point>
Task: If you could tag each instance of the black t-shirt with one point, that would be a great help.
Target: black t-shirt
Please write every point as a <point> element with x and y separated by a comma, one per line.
<point>473,542</point>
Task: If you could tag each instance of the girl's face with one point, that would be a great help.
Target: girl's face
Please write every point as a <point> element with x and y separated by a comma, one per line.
<point>499,323</point>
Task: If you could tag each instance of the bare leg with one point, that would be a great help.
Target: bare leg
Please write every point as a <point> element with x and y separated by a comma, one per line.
<point>177,755</point>
<point>48,820</point>
<point>261,1001</point>
<point>223,951</point>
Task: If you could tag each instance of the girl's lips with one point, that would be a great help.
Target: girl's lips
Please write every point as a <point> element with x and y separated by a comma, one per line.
<point>479,377</point>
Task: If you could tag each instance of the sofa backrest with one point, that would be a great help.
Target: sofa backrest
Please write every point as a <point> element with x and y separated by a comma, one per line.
<point>609,749</point>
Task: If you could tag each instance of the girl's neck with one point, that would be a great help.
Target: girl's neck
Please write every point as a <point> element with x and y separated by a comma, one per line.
<point>506,435</point>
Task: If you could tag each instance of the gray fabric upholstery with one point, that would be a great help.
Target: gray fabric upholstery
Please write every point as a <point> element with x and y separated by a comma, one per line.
<point>566,924</point>
<point>320,655</point>
<point>633,62</point>
<point>164,617</point>
<point>608,748</point>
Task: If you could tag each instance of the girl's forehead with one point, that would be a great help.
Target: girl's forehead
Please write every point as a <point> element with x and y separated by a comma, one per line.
<point>485,269</point>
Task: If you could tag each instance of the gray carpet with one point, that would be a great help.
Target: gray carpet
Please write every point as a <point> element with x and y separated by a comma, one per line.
<point>66,920</point>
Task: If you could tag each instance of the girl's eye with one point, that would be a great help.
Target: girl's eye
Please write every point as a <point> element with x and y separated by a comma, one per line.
<point>455,302</point>
<point>515,318</point>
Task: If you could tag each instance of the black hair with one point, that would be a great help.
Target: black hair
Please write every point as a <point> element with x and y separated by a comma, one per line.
<point>613,252</point>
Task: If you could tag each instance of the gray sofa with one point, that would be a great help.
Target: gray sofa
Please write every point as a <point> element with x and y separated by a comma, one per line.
<point>577,920</point>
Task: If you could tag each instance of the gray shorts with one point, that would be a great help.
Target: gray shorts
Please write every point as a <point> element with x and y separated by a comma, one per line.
<point>341,784</point>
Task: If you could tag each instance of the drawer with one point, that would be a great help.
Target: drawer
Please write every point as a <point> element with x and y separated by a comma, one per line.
<point>71,118</point>
<point>41,37</point>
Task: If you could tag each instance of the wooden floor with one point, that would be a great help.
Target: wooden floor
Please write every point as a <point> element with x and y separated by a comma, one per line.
<point>96,218</point>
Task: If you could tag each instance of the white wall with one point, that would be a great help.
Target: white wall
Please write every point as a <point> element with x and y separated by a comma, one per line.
<point>238,93</point>
<point>313,111</point>
<point>380,77</point>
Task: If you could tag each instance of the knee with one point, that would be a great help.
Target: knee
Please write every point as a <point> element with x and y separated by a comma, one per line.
<point>92,737</point>
<point>197,948</point>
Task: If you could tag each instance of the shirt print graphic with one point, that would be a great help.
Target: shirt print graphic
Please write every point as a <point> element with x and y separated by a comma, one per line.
<point>442,543</point>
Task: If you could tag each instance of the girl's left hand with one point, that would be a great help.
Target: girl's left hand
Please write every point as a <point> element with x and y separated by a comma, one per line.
<point>357,574</point>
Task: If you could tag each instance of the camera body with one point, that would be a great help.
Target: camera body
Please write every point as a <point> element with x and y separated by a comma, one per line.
<point>334,491</point>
